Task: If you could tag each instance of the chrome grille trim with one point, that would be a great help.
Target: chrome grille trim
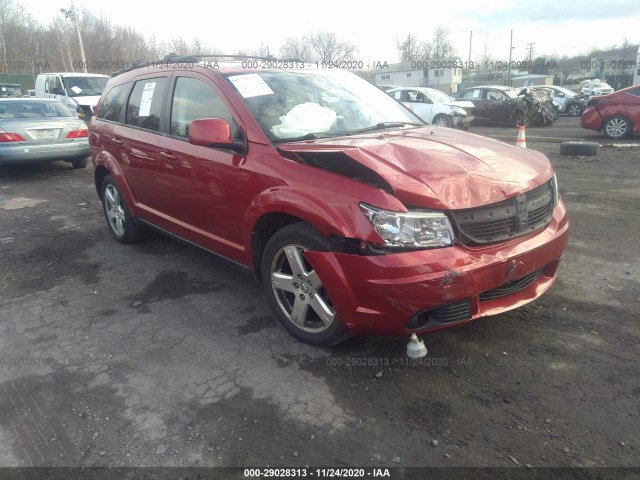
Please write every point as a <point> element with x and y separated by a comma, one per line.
<point>511,218</point>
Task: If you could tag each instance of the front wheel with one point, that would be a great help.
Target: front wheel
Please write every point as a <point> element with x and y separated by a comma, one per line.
<point>442,121</point>
<point>295,291</point>
<point>521,119</point>
<point>617,127</point>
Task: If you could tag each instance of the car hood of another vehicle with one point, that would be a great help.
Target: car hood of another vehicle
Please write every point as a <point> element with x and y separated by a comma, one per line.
<point>437,167</point>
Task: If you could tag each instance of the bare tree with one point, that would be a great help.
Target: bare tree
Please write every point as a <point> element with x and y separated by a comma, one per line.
<point>441,45</point>
<point>296,48</point>
<point>409,50</point>
<point>328,49</point>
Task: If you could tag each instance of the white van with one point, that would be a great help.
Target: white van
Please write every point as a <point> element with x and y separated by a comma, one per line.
<point>78,91</point>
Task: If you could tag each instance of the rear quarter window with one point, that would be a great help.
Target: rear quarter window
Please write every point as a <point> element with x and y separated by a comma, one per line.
<point>145,103</point>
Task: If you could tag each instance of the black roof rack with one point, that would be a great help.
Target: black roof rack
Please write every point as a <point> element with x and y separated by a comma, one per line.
<point>174,58</point>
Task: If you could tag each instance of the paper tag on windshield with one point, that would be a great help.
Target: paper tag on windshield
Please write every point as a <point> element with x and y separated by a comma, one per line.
<point>76,90</point>
<point>145,102</point>
<point>250,85</point>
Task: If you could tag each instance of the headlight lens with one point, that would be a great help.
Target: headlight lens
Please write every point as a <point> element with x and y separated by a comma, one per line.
<point>460,111</point>
<point>415,229</point>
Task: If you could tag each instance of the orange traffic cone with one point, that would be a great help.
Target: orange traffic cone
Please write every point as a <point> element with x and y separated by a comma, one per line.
<point>521,141</point>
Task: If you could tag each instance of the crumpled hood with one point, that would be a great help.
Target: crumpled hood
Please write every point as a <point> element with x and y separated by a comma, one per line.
<point>437,167</point>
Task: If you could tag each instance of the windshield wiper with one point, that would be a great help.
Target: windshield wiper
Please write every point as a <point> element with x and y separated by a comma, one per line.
<point>382,126</point>
<point>308,136</point>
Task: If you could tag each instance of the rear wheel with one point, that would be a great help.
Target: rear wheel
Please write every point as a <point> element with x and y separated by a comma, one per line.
<point>574,110</point>
<point>442,121</point>
<point>617,127</point>
<point>121,224</point>
<point>294,289</point>
<point>521,119</point>
<point>79,163</point>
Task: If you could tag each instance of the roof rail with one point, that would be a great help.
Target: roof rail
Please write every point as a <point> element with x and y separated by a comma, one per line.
<point>174,58</point>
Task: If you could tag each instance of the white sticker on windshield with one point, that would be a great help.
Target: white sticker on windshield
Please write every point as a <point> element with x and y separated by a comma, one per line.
<point>4,89</point>
<point>75,89</point>
<point>145,102</point>
<point>251,85</point>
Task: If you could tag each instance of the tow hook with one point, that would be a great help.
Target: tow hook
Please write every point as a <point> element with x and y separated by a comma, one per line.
<point>416,348</point>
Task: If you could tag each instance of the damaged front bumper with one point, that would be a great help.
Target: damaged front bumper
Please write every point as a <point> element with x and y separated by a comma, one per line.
<point>428,290</point>
<point>463,122</point>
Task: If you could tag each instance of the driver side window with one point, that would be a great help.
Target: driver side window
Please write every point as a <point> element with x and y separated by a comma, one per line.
<point>495,96</point>
<point>192,100</point>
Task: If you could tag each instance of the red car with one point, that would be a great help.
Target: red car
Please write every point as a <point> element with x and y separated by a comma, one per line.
<point>617,115</point>
<point>356,216</point>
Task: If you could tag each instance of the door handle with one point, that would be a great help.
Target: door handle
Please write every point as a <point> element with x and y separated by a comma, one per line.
<point>168,156</point>
<point>117,142</point>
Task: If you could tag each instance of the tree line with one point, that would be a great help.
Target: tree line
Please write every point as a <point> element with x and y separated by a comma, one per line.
<point>29,47</point>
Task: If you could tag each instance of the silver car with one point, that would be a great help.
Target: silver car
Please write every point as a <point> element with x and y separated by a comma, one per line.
<point>34,130</point>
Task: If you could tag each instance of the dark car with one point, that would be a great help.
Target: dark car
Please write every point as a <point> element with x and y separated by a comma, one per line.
<point>34,130</point>
<point>356,216</point>
<point>496,105</point>
<point>617,115</point>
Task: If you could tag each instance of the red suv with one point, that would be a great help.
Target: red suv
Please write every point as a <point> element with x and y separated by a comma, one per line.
<point>356,216</point>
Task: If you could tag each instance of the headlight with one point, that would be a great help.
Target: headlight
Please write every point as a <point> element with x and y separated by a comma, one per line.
<point>415,229</point>
<point>459,111</point>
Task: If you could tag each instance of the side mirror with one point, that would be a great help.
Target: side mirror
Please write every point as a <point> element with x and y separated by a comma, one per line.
<point>213,132</point>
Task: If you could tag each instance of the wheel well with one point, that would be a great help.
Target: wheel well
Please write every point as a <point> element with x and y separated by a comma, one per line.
<point>98,176</point>
<point>263,230</point>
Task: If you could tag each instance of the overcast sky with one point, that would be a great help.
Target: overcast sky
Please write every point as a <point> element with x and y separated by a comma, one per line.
<point>555,26</point>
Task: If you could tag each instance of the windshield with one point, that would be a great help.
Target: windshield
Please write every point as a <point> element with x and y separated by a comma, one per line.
<point>10,90</point>
<point>84,86</point>
<point>294,104</point>
<point>438,95</point>
<point>33,109</point>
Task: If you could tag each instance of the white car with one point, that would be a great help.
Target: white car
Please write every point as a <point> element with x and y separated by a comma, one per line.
<point>596,88</point>
<point>435,107</point>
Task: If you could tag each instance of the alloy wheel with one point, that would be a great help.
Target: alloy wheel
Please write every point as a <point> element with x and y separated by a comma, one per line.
<point>616,127</point>
<point>115,212</point>
<point>299,292</point>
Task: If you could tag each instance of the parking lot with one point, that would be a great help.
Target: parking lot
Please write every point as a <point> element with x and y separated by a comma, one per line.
<point>159,354</point>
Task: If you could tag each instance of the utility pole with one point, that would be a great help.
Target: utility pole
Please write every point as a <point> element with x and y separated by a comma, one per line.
<point>531,47</point>
<point>469,62</point>
<point>72,14</point>
<point>509,66</point>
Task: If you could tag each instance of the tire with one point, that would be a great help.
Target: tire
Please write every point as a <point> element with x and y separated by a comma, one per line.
<point>521,118</point>
<point>617,127</point>
<point>122,225</point>
<point>442,121</point>
<point>579,148</point>
<point>79,163</point>
<point>294,290</point>
<point>574,110</point>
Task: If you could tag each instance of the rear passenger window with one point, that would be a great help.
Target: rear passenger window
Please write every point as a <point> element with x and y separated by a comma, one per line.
<point>192,100</point>
<point>113,104</point>
<point>145,103</point>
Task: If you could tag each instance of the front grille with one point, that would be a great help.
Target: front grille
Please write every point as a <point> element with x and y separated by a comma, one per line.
<point>510,287</point>
<point>507,219</point>
<point>450,313</point>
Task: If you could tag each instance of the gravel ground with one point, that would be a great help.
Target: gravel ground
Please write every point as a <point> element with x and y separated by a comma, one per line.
<point>160,355</point>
